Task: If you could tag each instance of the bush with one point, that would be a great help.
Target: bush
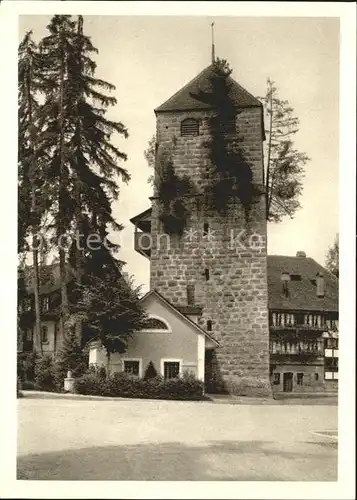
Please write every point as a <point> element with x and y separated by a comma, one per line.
<point>28,385</point>
<point>90,384</point>
<point>44,374</point>
<point>121,384</point>
<point>150,371</point>
<point>26,362</point>
<point>18,388</point>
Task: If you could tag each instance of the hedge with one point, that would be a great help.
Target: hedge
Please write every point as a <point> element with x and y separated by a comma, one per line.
<point>123,385</point>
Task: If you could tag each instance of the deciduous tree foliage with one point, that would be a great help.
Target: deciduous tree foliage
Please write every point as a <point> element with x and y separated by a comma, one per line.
<point>332,258</point>
<point>108,307</point>
<point>284,165</point>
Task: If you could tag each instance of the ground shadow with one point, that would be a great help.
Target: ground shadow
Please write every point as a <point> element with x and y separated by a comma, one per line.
<point>172,461</point>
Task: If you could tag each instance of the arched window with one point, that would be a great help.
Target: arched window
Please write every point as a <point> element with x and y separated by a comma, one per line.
<point>156,324</point>
<point>189,127</point>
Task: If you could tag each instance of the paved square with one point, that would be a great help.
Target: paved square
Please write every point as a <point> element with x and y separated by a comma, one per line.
<point>63,439</point>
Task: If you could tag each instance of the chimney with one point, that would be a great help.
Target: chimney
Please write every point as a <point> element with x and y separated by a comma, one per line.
<point>320,288</point>
<point>301,254</point>
<point>285,278</point>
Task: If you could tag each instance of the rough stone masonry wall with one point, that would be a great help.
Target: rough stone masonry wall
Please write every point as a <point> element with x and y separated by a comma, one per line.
<point>234,297</point>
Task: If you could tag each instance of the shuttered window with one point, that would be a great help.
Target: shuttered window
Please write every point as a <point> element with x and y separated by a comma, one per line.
<point>189,127</point>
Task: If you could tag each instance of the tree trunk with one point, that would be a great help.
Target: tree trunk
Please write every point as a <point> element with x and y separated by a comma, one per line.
<point>37,344</point>
<point>61,208</point>
<point>108,362</point>
<point>268,194</point>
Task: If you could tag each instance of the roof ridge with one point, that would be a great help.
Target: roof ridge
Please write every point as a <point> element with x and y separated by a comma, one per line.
<point>182,88</point>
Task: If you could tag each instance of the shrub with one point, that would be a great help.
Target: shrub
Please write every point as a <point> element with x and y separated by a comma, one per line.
<point>18,388</point>
<point>150,371</point>
<point>28,385</point>
<point>44,374</point>
<point>90,384</point>
<point>121,384</point>
<point>26,365</point>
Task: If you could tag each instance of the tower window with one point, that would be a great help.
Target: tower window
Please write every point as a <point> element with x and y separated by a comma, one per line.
<point>191,294</point>
<point>207,274</point>
<point>189,127</point>
<point>205,229</point>
<point>209,325</point>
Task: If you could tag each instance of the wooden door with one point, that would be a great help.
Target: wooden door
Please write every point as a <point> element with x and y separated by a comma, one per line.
<point>288,382</point>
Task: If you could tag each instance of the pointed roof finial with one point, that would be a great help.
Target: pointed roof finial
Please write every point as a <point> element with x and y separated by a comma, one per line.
<point>213,50</point>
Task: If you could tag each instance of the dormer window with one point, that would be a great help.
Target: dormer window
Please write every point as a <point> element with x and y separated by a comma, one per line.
<point>189,127</point>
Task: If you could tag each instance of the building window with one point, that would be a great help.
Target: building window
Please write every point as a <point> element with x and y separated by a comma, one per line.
<point>300,319</point>
<point>209,325</point>
<point>316,376</point>
<point>300,378</point>
<point>205,229</point>
<point>45,304</point>
<point>155,324</point>
<point>207,274</point>
<point>331,343</point>
<point>132,367</point>
<point>191,294</point>
<point>44,334</point>
<point>189,127</point>
<point>276,378</point>
<point>171,369</point>
<point>331,364</point>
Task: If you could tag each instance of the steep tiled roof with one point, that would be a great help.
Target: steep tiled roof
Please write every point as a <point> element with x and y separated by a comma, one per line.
<point>302,293</point>
<point>183,99</point>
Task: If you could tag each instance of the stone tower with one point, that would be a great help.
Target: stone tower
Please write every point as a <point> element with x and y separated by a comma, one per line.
<point>218,264</point>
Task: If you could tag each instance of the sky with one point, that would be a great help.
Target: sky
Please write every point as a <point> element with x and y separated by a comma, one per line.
<point>149,58</point>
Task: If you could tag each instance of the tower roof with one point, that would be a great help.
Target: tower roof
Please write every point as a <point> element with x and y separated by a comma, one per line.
<point>183,99</point>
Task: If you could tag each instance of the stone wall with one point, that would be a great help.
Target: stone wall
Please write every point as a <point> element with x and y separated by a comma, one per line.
<point>234,297</point>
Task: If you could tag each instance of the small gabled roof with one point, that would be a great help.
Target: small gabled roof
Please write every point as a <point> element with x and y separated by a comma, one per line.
<point>146,215</point>
<point>302,291</point>
<point>183,316</point>
<point>183,100</point>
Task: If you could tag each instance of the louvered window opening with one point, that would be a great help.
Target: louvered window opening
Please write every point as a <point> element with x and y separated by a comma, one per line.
<point>189,127</point>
